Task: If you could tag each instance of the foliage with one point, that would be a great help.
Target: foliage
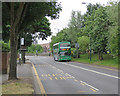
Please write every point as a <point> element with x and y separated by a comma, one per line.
<point>35,48</point>
<point>113,29</point>
<point>61,36</point>
<point>5,46</point>
<point>74,25</point>
<point>21,16</point>
<point>34,20</point>
<point>83,43</point>
<point>108,61</point>
<point>97,28</point>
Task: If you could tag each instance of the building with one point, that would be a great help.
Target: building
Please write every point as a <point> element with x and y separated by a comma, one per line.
<point>46,47</point>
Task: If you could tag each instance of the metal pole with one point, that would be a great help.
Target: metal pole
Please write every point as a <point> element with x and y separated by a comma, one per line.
<point>90,48</point>
<point>90,35</point>
<point>20,53</point>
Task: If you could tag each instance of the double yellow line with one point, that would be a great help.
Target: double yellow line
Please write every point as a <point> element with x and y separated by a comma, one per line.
<point>39,82</point>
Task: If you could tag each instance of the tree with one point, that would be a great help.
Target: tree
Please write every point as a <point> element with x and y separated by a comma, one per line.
<point>84,43</point>
<point>99,33</point>
<point>22,15</point>
<point>34,48</point>
<point>74,25</point>
<point>112,45</point>
<point>60,37</point>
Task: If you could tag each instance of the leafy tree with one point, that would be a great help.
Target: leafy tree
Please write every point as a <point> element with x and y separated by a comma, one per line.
<point>4,47</point>
<point>99,33</point>
<point>86,18</point>
<point>74,25</point>
<point>34,48</point>
<point>83,43</point>
<point>60,37</point>
<point>22,15</point>
<point>113,29</point>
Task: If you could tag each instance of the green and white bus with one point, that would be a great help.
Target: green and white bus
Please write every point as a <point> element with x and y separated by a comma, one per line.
<point>62,51</point>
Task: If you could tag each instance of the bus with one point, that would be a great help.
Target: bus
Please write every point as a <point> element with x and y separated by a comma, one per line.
<point>62,51</point>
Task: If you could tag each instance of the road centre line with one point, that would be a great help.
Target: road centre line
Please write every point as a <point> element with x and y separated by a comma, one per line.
<point>92,71</point>
<point>74,77</point>
<point>89,85</point>
<point>39,82</point>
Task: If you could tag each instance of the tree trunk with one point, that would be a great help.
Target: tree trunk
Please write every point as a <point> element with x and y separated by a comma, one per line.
<point>13,57</point>
<point>100,56</point>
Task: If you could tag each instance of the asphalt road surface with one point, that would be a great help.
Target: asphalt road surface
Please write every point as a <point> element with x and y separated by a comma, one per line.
<point>73,78</point>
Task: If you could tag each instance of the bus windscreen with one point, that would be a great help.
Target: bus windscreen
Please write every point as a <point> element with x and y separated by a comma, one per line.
<point>64,45</point>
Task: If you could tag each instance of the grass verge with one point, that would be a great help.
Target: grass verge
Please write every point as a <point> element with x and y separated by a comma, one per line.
<point>17,87</point>
<point>107,61</point>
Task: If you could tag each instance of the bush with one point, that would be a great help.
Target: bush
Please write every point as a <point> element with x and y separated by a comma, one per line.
<point>4,47</point>
<point>83,43</point>
<point>34,48</point>
<point>74,53</point>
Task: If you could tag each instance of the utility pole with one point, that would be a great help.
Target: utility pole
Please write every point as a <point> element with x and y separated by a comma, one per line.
<point>20,53</point>
<point>89,33</point>
<point>77,47</point>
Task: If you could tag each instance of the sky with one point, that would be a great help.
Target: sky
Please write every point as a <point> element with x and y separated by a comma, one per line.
<point>67,7</point>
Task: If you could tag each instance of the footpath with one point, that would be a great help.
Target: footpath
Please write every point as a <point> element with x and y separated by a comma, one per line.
<point>25,79</point>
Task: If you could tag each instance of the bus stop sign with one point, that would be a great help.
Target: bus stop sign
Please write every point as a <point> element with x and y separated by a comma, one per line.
<point>76,45</point>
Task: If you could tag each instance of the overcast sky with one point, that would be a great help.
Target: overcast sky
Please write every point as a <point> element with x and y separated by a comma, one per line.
<point>65,14</point>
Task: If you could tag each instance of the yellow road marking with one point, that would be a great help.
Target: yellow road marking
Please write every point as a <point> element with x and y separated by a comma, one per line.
<point>48,74</point>
<point>82,84</point>
<point>50,78</point>
<point>76,80</point>
<point>56,78</point>
<point>56,74</point>
<point>93,90</point>
<point>53,74</point>
<point>64,78</point>
<point>69,77</point>
<point>61,78</point>
<point>39,82</point>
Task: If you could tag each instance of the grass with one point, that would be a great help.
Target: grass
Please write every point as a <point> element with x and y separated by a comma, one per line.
<point>107,61</point>
<point>16,87</point>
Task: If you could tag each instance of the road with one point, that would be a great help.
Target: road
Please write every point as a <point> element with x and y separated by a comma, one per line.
<point>73,78</point>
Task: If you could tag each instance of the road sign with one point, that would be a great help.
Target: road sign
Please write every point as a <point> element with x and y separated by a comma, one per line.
<point>76,45</point>
<point>22,41</point>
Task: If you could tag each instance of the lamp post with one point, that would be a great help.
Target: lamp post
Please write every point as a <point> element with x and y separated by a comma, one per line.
<point>89,33</point>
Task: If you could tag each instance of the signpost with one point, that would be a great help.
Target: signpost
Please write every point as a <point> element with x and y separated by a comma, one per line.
<point>77,47</point>
<point>22,51</point>
<point>22,41</point>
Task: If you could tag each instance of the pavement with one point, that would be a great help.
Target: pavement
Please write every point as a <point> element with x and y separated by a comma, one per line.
<point>23,71</point>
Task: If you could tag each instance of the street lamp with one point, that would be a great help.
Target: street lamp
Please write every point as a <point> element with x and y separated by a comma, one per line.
<point>89,33</point>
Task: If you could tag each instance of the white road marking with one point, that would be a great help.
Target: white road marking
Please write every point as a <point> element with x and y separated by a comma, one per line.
<point>74,77</point>
<point>92,71</point>
<point>89,85</point>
